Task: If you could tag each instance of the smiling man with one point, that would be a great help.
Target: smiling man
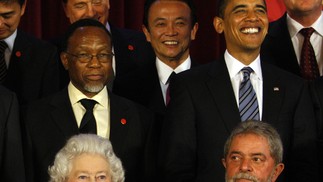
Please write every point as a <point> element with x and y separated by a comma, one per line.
<point>87,106</point>
<point>209,101</point>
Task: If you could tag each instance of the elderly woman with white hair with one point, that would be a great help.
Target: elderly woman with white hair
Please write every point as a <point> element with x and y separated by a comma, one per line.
<point>87,158</point>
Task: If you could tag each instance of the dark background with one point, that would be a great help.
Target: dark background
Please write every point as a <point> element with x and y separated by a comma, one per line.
<point>45,19</point>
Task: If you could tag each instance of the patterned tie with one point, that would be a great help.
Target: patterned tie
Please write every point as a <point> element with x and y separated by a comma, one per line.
<point>308,63</point>
<point>248,104</point>
<point>3,66</point>
<point>88,123</point>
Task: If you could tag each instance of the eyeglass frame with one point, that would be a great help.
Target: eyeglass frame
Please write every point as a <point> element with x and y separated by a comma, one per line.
<point>91,56</point>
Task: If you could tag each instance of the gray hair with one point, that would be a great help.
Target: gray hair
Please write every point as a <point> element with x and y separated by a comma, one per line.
<point>80,144</point>
<point>261,129</point>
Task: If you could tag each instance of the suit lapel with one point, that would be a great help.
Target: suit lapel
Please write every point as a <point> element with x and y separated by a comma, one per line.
<point>273,93</point>
<point>118,129</point>
<point>221,90</point>
<point>63,114</point>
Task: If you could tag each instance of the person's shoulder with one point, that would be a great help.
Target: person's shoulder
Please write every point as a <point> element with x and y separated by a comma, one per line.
<point>34,42</point>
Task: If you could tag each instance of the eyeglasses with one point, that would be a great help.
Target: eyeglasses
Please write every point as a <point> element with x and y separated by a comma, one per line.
<point>85,58</point>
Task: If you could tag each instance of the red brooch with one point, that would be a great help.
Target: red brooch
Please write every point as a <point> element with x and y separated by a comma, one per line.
<point>123,121</point>
<point>131,48</point>
<point>18,54</point>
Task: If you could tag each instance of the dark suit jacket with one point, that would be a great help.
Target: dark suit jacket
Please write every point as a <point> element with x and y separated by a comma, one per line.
<point>11,153</point>
<point>203,111</point>
<point>131,52</point>
<point>33,69</point>
<point>317,97</point>
<point>50,122</point>
<point>278,49</point>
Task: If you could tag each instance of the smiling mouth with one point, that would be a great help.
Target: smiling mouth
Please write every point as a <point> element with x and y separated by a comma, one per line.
<point>170,42</point>
<point>250,30</point>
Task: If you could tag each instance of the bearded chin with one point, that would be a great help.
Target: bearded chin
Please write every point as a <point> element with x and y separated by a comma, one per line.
<point>94,88</point>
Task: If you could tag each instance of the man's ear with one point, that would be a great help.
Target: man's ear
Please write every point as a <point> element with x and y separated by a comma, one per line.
<point>64,60</point>
<point>277,171</point>
<point>146,32</point>
<point>218,24</point>
<point>223,162</point>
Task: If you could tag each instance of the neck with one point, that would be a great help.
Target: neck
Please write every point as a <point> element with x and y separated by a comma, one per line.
<point>306,19</point>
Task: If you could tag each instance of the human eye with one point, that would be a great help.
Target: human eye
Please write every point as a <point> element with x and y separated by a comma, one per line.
<point>181,23</point>
<point>160,24</point>
<point>97,2</point>
<point>7,15</point>
<point>83,57</point>
<point>235,157</point>
<point>101,178</point>
<point>257,159</point>
<point>80,5</point>
<point>82,177</point>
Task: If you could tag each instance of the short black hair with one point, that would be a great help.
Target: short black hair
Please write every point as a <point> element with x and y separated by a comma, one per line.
<point>86,22</point>
<point>21,2</point>
<point>189,3</point>
<point>222,4</point>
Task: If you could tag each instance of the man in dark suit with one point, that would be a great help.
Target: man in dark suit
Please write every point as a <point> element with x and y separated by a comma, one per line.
<point>32,67</point>
<point>205,104</point>
<point>283,43</point>
<point>130,47</point>
<point>11,154</point>
<point>87,56</point>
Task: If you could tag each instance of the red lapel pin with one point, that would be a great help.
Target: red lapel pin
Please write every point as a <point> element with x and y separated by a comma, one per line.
<point>18,54</point>
<point>131,48</point>
<point>123,121</point>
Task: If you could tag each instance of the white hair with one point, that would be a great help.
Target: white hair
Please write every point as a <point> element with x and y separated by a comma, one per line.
<point>80,144</point>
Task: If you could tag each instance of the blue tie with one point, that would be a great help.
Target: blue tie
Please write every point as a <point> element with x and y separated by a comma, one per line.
<point>248,104</point>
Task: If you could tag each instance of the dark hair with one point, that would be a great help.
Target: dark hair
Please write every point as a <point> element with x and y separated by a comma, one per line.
<point>21,2</point>
<point>261,129</point>
<point>222,4</point>
<point>189,3</point>
<point>87,22</point>
<point>64,1</point>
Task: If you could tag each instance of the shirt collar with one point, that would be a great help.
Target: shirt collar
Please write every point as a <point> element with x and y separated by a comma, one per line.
<point>234,66</point>
<point>294,27</point>
<point>11,40</point>
<point>164,71</point>
<point>76,95</point>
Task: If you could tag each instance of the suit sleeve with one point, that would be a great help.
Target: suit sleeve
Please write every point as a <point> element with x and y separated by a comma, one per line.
<point>13,162</point>
<point>177,155</point>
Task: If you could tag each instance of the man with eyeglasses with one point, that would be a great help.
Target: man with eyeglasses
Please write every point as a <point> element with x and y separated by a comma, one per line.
<point>131,49</point>
<point>87,55</point>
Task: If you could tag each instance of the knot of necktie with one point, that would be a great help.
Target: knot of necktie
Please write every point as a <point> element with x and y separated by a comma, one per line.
<point>88,104</point>
<point>246,72</point>
<point>307,32</point>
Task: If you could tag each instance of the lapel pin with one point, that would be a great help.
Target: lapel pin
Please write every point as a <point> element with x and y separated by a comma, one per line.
<point>123,121</point>
<point>131,48</point>
<point>18,54</point>
<point>276,89</point>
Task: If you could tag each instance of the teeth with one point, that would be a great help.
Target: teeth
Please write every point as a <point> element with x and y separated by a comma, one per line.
<point>250,30</point>
<point>170,42</point>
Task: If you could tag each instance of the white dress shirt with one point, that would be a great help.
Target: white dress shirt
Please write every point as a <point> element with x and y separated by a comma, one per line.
<point>316,39</point>
<point>164,71</point>
<point>101,110</point>
<point>234,67</point>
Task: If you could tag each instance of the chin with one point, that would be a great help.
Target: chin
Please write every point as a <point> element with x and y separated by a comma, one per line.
<point>94,88</point>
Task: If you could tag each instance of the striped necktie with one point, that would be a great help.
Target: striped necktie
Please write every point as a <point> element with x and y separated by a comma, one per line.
<point>248,104</point>
<point>3,66</point>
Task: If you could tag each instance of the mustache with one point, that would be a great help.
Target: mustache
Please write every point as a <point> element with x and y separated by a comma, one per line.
<point>245,176</point>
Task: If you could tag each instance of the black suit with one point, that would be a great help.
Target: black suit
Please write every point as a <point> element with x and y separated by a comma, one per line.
<point>11,153</point>
<point>131,50</point>
<point>317,96</point>
<point>50,122</point>
<point>33,69</point>
<point>278,48</point>
<point>203,111</point>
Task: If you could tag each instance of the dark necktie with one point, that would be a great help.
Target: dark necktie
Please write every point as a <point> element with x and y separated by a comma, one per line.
<point>167,90</point>
<point>3,66</point>
<point>88,123</point>
<point>248,104</point>
<point>308,63</point>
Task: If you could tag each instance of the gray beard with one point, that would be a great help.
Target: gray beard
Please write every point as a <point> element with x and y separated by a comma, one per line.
<point>246,176</point>
<point>94,89</point>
